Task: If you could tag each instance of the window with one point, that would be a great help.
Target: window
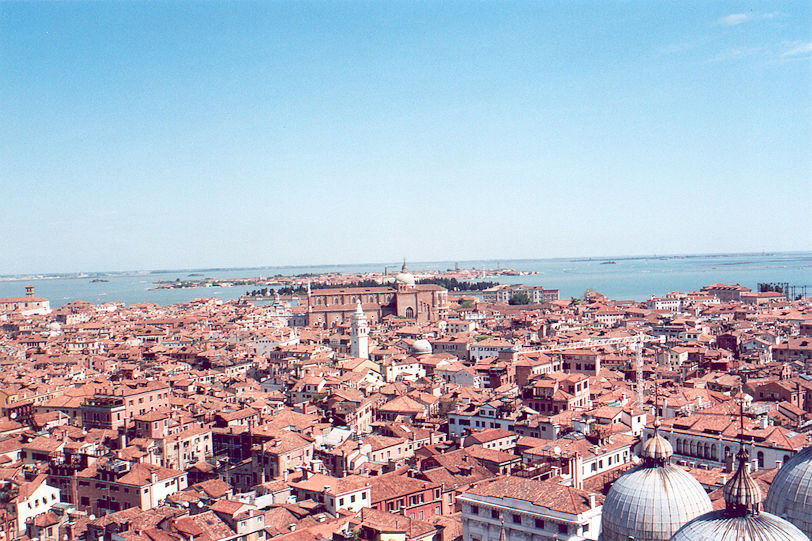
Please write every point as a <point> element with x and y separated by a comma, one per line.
<point>562,528</point>
<point>474,510</point>
<point>539,524</point>
<point>494,513</point>
<point>517,519</point>
<point>352,498</point>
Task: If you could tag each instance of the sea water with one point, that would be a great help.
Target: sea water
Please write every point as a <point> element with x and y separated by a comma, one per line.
<point>634,278</point>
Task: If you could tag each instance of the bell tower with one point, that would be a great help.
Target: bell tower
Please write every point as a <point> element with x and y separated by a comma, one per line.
<point>359,334</point>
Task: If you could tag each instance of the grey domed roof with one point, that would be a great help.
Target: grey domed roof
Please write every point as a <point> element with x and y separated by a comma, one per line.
<point>651,503</point>
<point>720,526</point>
<point>742,518</point>
<point>790,494</point>
<point>657,448</point>
<point>421,346</point>
<point>405,278</point>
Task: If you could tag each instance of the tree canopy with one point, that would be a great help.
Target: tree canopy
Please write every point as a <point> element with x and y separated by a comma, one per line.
<point>519,298</point>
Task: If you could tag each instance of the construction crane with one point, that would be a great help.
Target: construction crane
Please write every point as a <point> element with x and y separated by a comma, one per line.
<point>638,366</point>
<point>596,342</point>
<point>639,342</point>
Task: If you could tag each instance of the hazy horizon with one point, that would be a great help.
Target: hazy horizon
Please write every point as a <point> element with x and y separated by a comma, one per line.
<point>413,265</point>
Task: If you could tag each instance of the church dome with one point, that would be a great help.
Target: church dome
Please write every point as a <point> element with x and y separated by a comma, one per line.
<point>790,494</point>
<point>657,448</point>
<point>421,347</point>
<point>404,276</point>
<point>719,526</point>
<point>54,328</point>
<point>742,518</point>
<point>652,501</point>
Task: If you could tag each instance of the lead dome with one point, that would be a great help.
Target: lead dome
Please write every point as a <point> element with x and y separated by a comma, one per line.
<point>421,347</point>
<point>742,519</point>
<point>652,501</point>
<point>404,276</point>
<point>790,494</point>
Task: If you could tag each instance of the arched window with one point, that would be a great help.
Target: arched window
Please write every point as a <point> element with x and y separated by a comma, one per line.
<point>713,451</point>
<point>760,459</point>
<point>409,313</point>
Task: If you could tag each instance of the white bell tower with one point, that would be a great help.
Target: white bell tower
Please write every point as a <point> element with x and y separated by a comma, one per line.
<point>359,334</point>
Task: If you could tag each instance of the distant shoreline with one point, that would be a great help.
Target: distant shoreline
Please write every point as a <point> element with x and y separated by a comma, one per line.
<point>393,265</point>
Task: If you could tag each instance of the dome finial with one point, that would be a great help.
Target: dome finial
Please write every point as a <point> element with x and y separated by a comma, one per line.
<point>657,450</point>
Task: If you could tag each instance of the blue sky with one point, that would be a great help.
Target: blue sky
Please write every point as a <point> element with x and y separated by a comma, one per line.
<point>142,135</point>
